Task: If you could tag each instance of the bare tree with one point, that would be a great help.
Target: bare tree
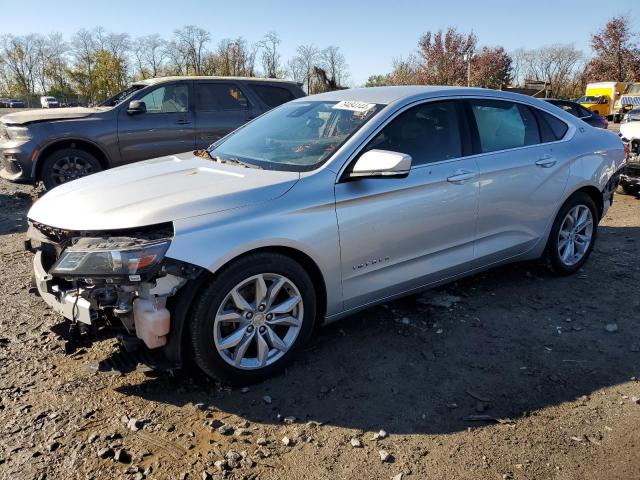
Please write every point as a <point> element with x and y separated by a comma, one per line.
<point>334,63</point>
<point>556,64</point>
<point>301,66</point>
<point>191,41</point>
<point>84,48</point>
<point>20,60</point>
<point>270,56</point>
<point>149,53</point>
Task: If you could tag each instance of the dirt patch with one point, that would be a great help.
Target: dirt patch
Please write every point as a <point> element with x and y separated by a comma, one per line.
<point>512,373</point>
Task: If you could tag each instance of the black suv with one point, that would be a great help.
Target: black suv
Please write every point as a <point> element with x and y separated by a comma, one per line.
<point>152,118</point>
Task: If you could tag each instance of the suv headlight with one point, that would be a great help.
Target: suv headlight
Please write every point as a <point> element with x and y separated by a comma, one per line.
<point>111,258</point>
<point>18,133</point>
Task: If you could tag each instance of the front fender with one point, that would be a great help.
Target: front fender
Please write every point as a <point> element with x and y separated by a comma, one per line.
<point>303,220</point>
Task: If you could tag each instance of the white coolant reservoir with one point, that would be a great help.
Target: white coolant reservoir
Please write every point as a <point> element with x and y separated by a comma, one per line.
<point>152,322</point>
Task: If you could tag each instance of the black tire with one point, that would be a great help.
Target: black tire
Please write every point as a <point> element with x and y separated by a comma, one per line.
<point>629,190</point>
<point>206,304</point>
<point>85,164</point>
<point>552,255</point>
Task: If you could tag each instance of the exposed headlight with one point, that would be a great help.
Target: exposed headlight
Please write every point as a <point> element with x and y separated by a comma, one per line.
<point>99,258</point>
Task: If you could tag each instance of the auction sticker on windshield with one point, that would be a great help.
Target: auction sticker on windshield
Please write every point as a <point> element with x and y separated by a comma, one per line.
<point>360,107</point>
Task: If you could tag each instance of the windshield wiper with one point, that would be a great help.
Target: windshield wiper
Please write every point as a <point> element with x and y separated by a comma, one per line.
<point>237,161</point>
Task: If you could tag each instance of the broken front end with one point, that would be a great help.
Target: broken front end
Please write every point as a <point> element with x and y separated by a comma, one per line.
<point>630,175</point>
<point>116,279</point>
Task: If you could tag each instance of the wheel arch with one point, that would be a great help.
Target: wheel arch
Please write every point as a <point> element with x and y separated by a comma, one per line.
<point>181,303</point>
<point>596,196</point>
<point>78,143</point>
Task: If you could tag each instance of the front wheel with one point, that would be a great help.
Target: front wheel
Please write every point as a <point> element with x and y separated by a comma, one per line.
<point>573,234</point>
<point>253,318</point>
<point>68,164</point>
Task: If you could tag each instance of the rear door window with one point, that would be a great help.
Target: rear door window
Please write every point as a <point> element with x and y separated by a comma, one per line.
<point>272,96</point>
<point>552,128</point>
<point>504,125</point>
<point>213,97</point>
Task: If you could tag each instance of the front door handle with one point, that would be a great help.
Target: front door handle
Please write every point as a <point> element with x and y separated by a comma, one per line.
<point>545,161</point>
<point>461,176</point>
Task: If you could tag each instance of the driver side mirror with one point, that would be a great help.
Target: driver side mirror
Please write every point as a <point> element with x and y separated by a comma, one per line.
<point>136,107</point>
<point>381,164</point>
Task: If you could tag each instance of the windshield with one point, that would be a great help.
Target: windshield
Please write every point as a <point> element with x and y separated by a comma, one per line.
<point>121,97</point>
<point>589,99</point>
<point>296,136</point>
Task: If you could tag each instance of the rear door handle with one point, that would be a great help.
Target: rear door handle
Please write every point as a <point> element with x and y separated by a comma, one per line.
<point>183,121</point>
<point>461,176</point>
<point>545,161</point>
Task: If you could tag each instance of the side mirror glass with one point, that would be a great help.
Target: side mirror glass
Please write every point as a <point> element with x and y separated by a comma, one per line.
<point>136,107</point>
<point>381,164</point>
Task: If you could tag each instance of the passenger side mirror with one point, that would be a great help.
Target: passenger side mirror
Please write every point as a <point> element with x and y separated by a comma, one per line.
<point>381,164</point>
<point>136,107</point>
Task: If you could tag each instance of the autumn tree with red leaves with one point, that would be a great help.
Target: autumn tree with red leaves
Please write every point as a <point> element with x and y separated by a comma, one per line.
<point>443,57</point>
<point>617,56</point>
<point>491,68</point>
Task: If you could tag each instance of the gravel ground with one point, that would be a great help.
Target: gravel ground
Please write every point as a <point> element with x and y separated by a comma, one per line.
<point>510,374</point>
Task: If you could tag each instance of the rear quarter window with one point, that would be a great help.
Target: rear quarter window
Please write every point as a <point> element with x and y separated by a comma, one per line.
<point>271,95</point>
<point>552,128</point>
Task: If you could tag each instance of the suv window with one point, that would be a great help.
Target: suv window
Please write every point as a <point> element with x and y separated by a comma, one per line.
<point>167,99</point>
<point>429,133</point>
<point>220,96</point>
<point>272,96</point>
<point>503,125</point>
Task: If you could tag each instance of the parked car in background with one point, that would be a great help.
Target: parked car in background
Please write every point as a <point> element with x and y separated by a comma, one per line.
<point>15,103</point>
<point>151,118</point>
<point>591,117</point>
<point>49,102</point>
<point>629,100</point>
<point>4,103</point>
<point>631,115</point>
<point>322,207</point>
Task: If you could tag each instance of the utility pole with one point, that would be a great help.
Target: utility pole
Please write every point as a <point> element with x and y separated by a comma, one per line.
<point>467,58</point>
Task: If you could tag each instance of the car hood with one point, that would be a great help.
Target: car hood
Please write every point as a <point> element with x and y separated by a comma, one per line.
<point>157,191</point>
<point>43,115</point>
<point>631,130</point>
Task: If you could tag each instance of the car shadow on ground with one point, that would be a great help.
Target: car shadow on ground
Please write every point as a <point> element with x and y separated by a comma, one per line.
<point>14,219</point>
<point>518,340</point>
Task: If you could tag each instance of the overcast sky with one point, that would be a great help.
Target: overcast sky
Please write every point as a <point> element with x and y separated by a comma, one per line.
<point>370,33</point>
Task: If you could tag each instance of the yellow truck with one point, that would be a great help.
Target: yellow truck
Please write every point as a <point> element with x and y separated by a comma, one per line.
<point>629,100</point>
<point>601,97</point>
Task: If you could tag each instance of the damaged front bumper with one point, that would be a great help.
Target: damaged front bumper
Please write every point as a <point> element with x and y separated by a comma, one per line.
<point>71,305</point>
<point>138,306</point>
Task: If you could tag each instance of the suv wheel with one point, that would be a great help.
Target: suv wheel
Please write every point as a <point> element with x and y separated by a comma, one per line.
<point>573,234</point>
<point>66,165</point>
<point>252,319</point>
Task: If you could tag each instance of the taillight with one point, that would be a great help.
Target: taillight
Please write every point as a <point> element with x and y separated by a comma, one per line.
<point>605,123</point>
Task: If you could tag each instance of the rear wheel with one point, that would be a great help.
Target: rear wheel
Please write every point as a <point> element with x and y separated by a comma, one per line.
<point>68,164</point>
<point>252,319</point>
<point>573,234</point>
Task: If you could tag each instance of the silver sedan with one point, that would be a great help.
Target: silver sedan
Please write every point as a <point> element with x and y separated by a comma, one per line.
<point>322,207</point>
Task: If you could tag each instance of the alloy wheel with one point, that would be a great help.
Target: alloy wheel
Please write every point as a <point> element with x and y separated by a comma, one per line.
<point>258,321</point>
<point>575,235</point>
<point>70,168</point>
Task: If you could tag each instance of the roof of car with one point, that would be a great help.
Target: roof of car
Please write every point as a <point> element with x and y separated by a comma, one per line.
<point>390,94</point>
<point>157,80</point>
